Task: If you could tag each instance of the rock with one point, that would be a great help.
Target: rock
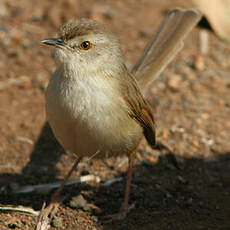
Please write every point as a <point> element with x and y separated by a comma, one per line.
<point>80,219</point>
<point>57,222</point>
<point>207,141</point>
<point>94,218</point>
<point>78,202</point>
<point>199,62</point>
<point>2,219</point>
<point>175,82</point>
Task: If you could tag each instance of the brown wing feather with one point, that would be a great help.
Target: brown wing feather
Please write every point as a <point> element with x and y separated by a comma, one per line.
<point>140,110</point>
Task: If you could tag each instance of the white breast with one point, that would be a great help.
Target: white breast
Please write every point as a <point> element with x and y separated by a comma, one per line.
<point>85,117</point>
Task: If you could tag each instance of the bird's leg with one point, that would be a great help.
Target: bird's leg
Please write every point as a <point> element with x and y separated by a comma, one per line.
<point>56,197</point>
<point>51,209</point>
<point>124,207</point>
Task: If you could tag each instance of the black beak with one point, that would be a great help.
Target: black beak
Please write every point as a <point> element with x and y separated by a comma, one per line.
<point>54,42</point>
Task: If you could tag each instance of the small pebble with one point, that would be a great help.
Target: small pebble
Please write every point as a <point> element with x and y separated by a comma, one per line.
<point>78,202</point>
<point>2,219</point>
<point>57,222</point>
<point>80,219</point>
<point>175,82</point>
<point>199,62</point>
<point>94,218</point>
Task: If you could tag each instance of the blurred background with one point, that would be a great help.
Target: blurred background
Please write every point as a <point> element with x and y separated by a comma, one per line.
<point>191,104</point>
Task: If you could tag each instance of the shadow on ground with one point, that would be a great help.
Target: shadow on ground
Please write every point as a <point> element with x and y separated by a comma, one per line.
<point>195,196</point>
<point>45,155</point>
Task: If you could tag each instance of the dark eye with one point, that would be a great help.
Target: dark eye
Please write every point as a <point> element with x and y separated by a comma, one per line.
<point>85,45</point>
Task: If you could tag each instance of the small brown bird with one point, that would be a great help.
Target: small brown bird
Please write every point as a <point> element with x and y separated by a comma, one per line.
<point>93,103</point>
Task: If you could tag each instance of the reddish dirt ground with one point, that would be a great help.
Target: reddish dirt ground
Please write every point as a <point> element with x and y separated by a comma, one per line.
<point>191,103</point>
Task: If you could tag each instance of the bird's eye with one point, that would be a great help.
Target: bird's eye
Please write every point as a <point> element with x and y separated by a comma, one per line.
<point>85,45</point>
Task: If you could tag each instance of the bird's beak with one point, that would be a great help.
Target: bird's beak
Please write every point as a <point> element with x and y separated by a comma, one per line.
<point>58,42</point>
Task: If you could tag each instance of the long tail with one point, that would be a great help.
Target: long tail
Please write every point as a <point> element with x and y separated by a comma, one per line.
<point>165,44</point>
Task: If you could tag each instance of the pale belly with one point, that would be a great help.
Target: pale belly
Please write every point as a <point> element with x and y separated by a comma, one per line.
<point>88,121</point>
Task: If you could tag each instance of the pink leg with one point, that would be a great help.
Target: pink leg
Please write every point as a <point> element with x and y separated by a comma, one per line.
<point>124,207</point>
<point>56,197</point>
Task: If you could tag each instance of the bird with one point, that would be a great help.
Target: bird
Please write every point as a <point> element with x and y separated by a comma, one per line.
<point>94,104</point>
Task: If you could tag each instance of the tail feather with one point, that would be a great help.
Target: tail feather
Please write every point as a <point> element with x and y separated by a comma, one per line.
<point>164,45</point>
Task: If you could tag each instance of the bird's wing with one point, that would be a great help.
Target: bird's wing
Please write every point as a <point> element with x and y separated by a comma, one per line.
<point>139,109</point>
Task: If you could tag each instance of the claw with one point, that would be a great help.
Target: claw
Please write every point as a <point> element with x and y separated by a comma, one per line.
<point>118,216</point>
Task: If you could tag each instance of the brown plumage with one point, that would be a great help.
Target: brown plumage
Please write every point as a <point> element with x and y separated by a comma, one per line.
<point>140,109</point>
<point>82,27</point>
<point>93,103</point>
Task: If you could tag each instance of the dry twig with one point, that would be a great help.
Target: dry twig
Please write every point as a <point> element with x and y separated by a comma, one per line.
<point>19,208</point>
<point>41,188</point>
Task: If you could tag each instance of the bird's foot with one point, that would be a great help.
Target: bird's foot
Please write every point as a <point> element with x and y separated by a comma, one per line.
<point>118,216</point>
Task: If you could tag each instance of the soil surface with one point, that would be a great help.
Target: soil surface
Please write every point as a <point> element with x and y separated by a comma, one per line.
<point>185,188</point>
